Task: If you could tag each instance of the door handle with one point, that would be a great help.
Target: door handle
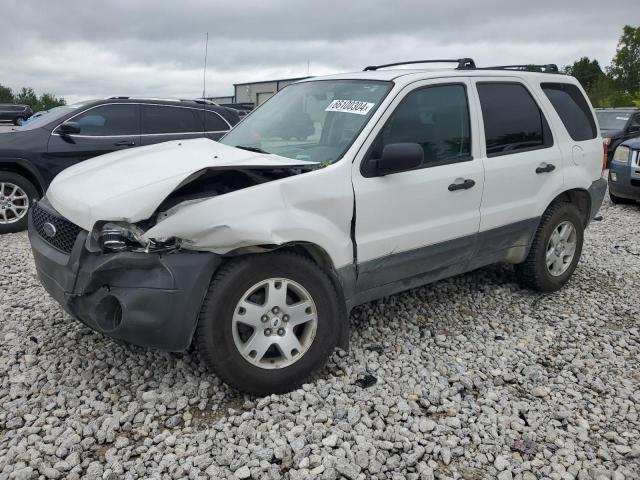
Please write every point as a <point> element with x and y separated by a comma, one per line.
<point>124,143</point>
<point>545,168</point>
<point>466,185</point>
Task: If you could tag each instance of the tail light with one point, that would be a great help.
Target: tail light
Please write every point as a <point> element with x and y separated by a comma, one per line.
<point>604,157</point>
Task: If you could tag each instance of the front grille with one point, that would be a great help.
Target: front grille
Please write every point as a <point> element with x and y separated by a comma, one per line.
<point>63,234</point>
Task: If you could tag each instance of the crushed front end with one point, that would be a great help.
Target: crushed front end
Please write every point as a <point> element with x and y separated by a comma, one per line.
<point>150,295</point>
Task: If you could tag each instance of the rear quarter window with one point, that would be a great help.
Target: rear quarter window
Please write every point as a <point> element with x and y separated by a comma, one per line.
<point>573,109</point>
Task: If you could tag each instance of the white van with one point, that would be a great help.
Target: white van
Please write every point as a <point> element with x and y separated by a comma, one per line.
<point>337,191</point>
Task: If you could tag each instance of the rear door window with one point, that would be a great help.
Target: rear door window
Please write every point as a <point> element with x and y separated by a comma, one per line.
<point>159,119</point>
<point>573,110</point>
<point>215,123</point>
<point>513,122</point>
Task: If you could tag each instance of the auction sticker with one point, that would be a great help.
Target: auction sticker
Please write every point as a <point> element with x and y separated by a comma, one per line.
<point>350,106</point>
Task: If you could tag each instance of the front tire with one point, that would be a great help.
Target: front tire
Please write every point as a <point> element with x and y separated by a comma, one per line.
<point>268,322</point>
<point>555,250</point>
<point>16,196</point>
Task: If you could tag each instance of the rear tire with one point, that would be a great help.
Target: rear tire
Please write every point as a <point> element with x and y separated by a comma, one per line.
<point>548,266</point>
<point>619,200</point>
<point>226,342</point>
<point>13,208</point>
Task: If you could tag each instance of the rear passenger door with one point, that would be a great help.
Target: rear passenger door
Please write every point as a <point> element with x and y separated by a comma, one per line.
<point>523,165</point>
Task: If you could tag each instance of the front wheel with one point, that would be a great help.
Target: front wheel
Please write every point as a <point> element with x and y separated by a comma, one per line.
<point>268,322</point>
<point>555,250</point>
<point>16,195</point>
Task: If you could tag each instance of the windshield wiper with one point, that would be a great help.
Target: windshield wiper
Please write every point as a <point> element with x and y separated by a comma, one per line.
<point>252,149</point>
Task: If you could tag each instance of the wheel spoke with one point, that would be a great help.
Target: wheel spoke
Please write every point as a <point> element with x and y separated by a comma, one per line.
<point>565,231</point>
<point>276,293</point>
<point>4,215</point>
<point>259,344</point>
<point>249,313</point>
<point>289,345</point>
<point>301,312</point>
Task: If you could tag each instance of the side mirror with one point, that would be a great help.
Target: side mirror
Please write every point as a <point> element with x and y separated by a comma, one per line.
<point>69,128</point>
<point>397,157</point>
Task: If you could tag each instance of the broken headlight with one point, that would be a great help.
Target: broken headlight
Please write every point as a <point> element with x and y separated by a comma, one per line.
<point>125,237</point>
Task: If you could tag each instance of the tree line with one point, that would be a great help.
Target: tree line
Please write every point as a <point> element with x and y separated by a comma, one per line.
<point>618,85</point>
<point>26,96</point>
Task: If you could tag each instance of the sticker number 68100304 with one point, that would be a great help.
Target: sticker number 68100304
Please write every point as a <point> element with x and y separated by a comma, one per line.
<point>350,106</point>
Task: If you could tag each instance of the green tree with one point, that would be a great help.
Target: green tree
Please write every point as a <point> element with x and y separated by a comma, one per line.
<point>47,101</point>
<point>588,72</point>
<point>625,66</point>
<point>6,95</point>
<point>27,97</point>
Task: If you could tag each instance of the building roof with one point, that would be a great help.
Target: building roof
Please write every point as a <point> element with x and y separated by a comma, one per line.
<point>295,79</point>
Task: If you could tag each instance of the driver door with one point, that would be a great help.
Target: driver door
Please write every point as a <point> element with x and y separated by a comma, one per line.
<point>415,226</point>
<point>103,129</point>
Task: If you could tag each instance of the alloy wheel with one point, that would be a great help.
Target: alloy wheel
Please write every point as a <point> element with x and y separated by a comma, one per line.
<point>274,323</point>
<point>14,203</point>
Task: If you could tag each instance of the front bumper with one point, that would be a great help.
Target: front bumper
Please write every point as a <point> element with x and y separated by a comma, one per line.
<point>627,183</point>
<point>146,299</point>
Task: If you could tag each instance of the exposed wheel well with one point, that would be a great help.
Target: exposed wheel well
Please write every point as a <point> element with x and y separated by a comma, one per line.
<point>20,170</point>
<point>578,197</point>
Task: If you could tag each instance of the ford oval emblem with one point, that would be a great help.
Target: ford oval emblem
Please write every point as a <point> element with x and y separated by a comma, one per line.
<point>49,229</point>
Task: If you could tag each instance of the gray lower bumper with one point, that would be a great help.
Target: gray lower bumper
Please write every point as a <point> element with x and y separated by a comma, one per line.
<point>596,192</point>
<point>146,299</point>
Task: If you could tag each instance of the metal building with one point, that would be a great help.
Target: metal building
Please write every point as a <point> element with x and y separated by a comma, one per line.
<point>255,93</point>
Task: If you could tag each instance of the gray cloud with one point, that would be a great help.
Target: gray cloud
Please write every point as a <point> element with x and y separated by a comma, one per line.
<point>82,49</point>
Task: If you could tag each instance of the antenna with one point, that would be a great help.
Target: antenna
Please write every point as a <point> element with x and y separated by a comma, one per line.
<point>308,61</point>
<point>204,87</point>
<point>204,73</point>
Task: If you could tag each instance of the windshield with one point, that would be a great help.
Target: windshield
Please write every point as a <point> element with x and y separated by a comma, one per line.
<point>315,121</point>
<point>612,120</point>
<point>49,116</point>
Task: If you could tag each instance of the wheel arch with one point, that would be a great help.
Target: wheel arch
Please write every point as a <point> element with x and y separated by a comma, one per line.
<point>22,168</point>
<point>580,198</point>
<point>322,259</point>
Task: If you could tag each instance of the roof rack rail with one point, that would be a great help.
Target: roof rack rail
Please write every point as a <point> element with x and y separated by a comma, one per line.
<point>548,68</point>
<point>119,98</point>
<point>463,64</point>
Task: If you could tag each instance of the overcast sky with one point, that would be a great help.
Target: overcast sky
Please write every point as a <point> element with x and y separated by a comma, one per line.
<point>87,49</point>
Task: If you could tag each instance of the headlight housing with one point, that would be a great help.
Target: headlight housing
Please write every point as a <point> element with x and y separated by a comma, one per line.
<point>621,155</point>
<point>115,237</point>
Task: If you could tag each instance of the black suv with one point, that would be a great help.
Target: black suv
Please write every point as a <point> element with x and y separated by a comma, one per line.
<point>618,125</point>
<point>31,155</point>
<point>15,113</point>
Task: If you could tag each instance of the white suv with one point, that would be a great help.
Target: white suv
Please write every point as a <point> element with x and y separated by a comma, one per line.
<point>337,191</point>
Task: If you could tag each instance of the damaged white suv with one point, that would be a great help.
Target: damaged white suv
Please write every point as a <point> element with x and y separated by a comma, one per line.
<point>337,191</point>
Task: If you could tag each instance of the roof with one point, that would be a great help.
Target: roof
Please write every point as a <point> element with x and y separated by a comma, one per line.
<point>617,109</point>
<point>406,75</point>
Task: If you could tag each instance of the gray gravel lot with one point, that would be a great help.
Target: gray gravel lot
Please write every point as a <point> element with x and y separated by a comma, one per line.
<point>476,378</point>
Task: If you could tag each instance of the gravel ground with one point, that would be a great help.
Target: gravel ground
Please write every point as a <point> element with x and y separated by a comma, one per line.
<point>475,378</point>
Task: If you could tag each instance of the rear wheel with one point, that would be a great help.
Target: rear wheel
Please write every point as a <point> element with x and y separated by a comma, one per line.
<point>16,195</point>
<point>268,322</point>
<point>555,250</point>
<point>619,200</point>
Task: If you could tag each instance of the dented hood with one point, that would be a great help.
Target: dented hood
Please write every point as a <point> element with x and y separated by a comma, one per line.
<point>129,185</point>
